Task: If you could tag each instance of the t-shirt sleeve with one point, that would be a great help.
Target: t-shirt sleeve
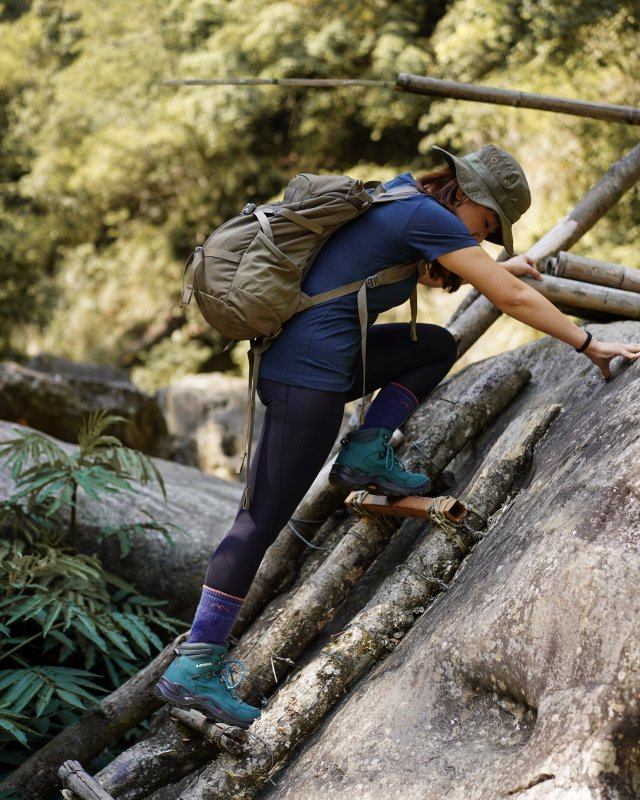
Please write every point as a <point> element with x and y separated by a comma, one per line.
<point>432,231</point>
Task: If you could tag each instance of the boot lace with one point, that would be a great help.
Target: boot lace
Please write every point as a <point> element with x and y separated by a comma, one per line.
<point>391,460</point>
<point>232,673</point>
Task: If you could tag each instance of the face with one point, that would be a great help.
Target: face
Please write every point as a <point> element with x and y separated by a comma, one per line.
<point>480,220</point>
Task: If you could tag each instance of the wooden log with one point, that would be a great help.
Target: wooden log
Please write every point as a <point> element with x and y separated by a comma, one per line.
<point>431,452</point>
<point>170,754</point>
<point>587,296</point>
<point>311,83</point>
<point>92,733</point>
<point>417,84</point>
<point>416,507</point>
<point>306,700</point>
<point>475,320</point>
<point>604,273</point>
<point>620,177</point>
<point>81,784</point>
<point>224,736</point>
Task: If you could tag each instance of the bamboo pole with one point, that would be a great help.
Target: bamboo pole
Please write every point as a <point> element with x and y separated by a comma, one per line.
<point>588,296</point>
<point>591,270</point>
<point>311,83</point>
<point>620,177</point>
<point>437,87</point>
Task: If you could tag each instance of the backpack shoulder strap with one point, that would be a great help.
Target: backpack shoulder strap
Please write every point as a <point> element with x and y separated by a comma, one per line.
<point>381,195</point>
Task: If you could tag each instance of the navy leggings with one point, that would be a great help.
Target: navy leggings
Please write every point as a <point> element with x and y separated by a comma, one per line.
<point>299,430</point>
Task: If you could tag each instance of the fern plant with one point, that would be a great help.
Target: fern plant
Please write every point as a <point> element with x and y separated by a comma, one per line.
<point>71,631</point>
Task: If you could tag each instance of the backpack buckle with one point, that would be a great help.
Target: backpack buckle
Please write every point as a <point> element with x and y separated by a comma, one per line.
<point>249,208</point>
<point>372,281</point>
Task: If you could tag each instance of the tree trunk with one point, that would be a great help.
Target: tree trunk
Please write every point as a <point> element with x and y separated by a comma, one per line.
<point>620,177</point>
<point>306,700</point>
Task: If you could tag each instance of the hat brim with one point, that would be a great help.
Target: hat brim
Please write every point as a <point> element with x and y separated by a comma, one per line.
<point>477,190</point>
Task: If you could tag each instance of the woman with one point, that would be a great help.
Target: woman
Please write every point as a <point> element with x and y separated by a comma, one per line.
<point>314,367</point>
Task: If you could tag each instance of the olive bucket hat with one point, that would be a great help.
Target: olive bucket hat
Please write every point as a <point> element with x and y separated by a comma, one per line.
<point>493,179</point>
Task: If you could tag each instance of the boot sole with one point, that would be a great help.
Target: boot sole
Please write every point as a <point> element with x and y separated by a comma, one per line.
<point>347,478</point>
<point>171,693</point>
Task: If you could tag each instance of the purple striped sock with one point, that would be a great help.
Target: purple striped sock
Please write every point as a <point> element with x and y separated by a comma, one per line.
<point>214,616</point>
<point>392,405</point>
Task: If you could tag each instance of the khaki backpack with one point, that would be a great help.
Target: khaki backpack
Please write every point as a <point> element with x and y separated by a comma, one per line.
<point>247,276</point>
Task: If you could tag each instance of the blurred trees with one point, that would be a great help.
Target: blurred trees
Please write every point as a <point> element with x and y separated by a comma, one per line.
<point>109,178</point>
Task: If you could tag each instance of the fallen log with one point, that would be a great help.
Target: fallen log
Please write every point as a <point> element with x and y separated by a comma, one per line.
<point>305,701</point>
<point>440,88</point>
<point>604,273</point>
<point>134,773</point>
<point>587,297</point>
<point>620,177</point>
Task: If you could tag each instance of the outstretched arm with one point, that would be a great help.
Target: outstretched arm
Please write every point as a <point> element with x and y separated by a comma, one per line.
<point>522,302</point>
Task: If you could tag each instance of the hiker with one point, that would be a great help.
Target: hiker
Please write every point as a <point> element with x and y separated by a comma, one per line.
<point>314,367</point>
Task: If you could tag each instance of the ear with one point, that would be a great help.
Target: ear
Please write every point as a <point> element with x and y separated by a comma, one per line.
<point>461,197</point>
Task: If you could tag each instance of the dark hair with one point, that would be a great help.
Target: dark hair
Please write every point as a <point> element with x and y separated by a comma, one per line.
<point>441,184</point>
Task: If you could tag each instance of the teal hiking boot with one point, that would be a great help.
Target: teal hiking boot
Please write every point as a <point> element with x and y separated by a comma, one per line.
<point>199,678</point>
<point>367,461</point>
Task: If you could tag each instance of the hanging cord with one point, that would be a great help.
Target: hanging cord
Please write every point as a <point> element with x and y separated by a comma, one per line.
<point>434,581</point>
<point>292,524</point>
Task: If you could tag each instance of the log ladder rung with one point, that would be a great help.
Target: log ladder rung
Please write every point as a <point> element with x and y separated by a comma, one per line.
<point>79,784</point>
<point>418,507</point>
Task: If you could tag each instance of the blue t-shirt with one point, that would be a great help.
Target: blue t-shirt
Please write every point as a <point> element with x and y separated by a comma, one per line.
<point>319,347</point>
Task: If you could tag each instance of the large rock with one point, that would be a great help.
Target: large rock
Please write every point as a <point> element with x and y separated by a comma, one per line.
<point>199,510</point>
<point>205,418</point>
<point>523,680</point>
<point>54,396</point>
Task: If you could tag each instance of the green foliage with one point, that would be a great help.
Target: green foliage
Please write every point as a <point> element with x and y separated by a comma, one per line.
<point>109,177</point>
<point>70,630</point>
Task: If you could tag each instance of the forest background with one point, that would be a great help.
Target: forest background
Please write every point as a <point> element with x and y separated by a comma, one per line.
<point>110,177</point>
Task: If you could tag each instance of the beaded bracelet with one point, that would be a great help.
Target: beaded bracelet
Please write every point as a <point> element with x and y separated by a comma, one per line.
<point>586,344</point>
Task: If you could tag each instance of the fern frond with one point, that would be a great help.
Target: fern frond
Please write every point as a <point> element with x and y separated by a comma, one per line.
<point>17,730</point>
<point>29,448</point>
<point>91,432</point>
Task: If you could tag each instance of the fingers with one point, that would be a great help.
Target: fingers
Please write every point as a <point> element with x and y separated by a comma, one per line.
<point>535,272</point>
